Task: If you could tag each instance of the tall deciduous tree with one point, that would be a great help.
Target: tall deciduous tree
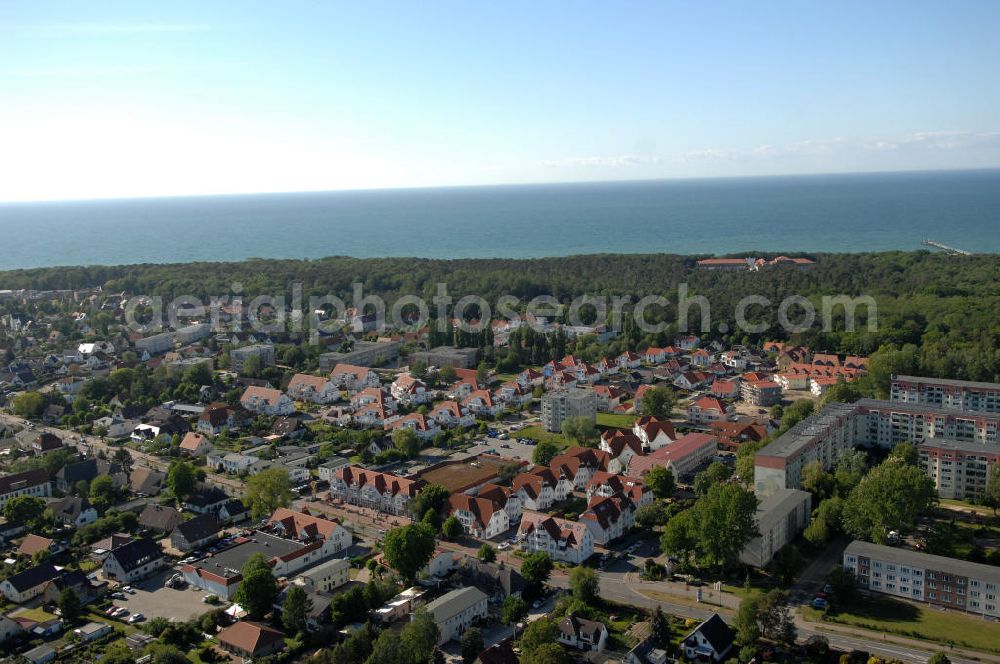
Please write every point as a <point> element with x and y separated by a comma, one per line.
<point>258,588</point>
<point>182,479</point>
<point>295,609</point>
<point>267,491</point>
<point>892,496</point>
<point>658,402</point>
<point>536,570</point>
<point>584,583</point>
<point>409,548</point>
<point>661,482</point>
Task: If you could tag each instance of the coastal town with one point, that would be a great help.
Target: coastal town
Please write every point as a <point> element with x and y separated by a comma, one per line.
<point>235,496</point>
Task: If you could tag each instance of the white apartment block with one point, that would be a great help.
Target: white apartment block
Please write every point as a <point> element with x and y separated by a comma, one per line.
<point>946,583</point>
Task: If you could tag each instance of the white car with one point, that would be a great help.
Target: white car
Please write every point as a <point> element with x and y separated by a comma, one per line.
<point>120,613</point>
<point>503,546</point>
<point>136,617</point>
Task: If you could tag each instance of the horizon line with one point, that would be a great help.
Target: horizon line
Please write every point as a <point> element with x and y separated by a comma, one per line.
<point>154,197</point>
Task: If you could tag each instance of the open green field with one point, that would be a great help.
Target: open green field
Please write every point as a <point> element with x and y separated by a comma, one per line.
<point>921,622</point>
<point>617,420</point>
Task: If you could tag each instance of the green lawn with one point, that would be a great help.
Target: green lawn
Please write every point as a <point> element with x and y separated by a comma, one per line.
<point>921,622</point>
<point>617,420</point>
<point>537,433</point>
<point>36,614</point>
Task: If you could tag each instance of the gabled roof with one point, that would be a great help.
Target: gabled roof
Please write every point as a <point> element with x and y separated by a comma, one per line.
<point>146,480</point>
<point>160,517</point>
<point>264,394</point>
<point>27,479</point>
<point>715,630</point>
<point>192,441</point>
<point>301,380</point>
<point>482,509</point>
<point>575,626</point>
<point>33,577</point>
<point>136,554</point>
<point>198,528</point>
<point>383,482</point>
<point>208,496</point>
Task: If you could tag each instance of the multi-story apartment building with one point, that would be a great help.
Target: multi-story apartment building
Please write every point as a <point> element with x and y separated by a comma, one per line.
<point>818,437</point>
<point>868,423</point>
<point>780,517</point>
<point>947,583</point>
<point>888,423</point>
<point>363,354</point>
<point>568,541</point>
<point>238,356</point>
<point>33,483</point>
<point>367,488</point>
<point>448,356</point>
<point>560,405</point>
<point>760,392</point>
<point>961,395</point>
<point>959,468</point>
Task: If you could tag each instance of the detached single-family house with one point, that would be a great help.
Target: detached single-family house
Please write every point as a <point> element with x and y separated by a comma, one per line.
<point>195,533</point>
<point>25,585</point>
<point>582,634</point>
<point>251,640</point>
<point>195,444</point>
<point>712,641</point>
<point>72,511</point>
<point>160,518</point>
<point>134,561</point>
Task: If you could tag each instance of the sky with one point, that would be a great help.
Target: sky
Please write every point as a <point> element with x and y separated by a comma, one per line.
<point>123,99</point>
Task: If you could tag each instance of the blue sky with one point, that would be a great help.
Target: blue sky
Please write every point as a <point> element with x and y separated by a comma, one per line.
<point>103,99</point>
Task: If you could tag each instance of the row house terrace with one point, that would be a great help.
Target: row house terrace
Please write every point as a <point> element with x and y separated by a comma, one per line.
<point>367,488</point>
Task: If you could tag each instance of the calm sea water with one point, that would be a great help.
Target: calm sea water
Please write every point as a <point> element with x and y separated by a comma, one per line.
<point>842,213</point>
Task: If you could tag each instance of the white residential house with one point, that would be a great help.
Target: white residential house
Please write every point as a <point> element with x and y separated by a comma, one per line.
<point>456,611</point>
<point>353,378</point>
<point>567,541</point>
<point>582,634</point>
<point>265,401</point>
<point>314,389</point>
<point>480,517</point>
<point>231,462</point>
<point>408,389</point>
<point>449,414</point>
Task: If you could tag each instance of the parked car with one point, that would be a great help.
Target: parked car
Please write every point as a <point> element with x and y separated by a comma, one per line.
<point>117,595</point>
<point>136,617</point>
<point>819,603</point>
<point>129,589</point>
<point>121,612</point>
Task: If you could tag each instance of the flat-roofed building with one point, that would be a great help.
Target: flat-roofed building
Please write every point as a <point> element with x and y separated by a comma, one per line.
<point>947,583</point>
<point>363,354</point>
<point>964,395</point>
<point>959,468</point>
<point>780,517</point>
<point>891,422</point>
<point>448,356</point>
<point>560,405</point>
<point>819,437</point>
<point>238,356</point>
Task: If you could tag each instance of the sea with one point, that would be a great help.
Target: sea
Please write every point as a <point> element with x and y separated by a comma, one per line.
<point>820,213</point>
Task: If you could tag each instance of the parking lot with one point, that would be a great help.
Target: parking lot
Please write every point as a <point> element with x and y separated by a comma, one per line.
<point>154,601</point>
